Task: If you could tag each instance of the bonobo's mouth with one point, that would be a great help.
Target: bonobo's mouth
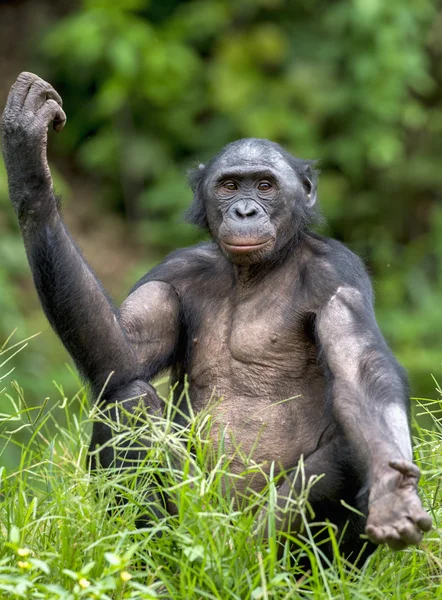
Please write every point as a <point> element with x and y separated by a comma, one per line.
<point>245,247</point>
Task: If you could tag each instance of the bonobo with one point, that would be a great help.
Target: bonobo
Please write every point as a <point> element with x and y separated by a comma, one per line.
<point>273,319</point>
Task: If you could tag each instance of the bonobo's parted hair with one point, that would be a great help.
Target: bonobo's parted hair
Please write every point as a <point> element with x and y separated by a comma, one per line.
<point>308,213</point>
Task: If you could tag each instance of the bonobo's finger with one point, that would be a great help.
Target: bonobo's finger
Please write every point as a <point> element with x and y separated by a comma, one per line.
<point>19,91</point>
<point>51,111</point>
<point>395,543</point>
<point>424,521</point>
<point>385,535</point>
<point>393,538</point>
<point>375,534</point>
<point>408,531</point>
<point>406,468</point>
<point>59,121</point>
<point>39,92</point>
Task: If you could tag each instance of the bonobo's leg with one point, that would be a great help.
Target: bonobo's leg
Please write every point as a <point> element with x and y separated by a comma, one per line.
<point>339,481</point>
<point>120,442</point>
<point>134,402</point>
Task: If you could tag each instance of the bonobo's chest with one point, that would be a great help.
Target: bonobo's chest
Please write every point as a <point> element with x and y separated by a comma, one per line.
<point>266,329</point>
<point>260,334</point>
<point>253,362</point>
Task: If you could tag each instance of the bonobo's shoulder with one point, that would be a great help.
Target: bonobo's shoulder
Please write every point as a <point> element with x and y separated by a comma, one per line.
<point>323,252</point>
<point>187,265</point>
<point>327,265</point>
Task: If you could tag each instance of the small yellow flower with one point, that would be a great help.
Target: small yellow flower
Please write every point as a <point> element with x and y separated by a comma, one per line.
<point>125,576</point>
<point>23,552</point>
<point>23,565</point>
<point>84,583</point>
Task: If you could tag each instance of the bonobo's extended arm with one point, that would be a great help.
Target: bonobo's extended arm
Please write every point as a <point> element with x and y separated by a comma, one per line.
<point>100,339</point>
<point>370,401</point>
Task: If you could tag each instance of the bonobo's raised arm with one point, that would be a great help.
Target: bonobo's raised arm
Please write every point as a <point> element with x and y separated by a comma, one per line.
<point>100,339</point>
<point>370,401</point>
<point>72,298</point>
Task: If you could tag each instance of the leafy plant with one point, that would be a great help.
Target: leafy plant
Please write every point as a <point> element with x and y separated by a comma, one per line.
<point>68,535</point>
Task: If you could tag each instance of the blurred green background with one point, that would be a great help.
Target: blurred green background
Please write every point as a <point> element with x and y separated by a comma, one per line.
<point>151,87</point>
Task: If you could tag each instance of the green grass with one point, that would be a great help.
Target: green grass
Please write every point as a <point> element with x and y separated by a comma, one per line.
<point>63,535</point>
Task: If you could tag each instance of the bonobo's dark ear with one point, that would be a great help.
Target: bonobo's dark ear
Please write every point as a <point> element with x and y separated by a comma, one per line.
<point>195,176</point>
<point>196,213</point>
<point>309,181</point>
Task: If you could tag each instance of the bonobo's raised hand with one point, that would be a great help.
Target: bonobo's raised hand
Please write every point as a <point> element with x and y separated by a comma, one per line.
<point>31,106</point>
<point>396,516</point>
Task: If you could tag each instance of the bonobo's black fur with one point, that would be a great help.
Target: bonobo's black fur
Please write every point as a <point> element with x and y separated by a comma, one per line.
<point>273,319</point>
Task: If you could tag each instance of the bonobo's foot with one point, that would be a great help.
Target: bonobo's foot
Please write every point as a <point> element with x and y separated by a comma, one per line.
<point>31,106</point>
<point>395,514</point>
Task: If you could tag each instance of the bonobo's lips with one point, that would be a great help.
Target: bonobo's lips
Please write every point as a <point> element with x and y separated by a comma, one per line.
<point>245,247</point>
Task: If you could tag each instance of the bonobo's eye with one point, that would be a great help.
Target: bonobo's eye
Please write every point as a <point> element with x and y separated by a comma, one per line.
<point>230,186</point>
<point>264,186</point>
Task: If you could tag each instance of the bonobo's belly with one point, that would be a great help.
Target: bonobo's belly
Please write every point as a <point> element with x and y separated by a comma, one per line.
<point>255,432</point>
<point>265,391</point>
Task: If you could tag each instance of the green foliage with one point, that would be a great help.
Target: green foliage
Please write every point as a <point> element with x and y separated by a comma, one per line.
<point>65,537</point>
<point>150,90</point>
<point>152,87</point>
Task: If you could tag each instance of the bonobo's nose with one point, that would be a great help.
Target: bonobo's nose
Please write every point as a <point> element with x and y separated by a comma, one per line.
<point>245,209</point>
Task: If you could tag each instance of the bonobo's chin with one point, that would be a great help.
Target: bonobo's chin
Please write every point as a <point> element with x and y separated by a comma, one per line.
<point>247,252</point>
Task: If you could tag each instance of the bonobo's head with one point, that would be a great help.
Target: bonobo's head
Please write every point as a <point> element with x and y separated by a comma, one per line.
<point>254,198</point>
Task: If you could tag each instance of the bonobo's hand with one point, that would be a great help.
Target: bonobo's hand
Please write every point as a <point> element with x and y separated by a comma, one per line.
<point>395,513</point>
<point>31,106</point>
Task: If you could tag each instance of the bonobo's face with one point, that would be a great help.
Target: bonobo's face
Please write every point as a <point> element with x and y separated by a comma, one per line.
<point>252,199</point>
